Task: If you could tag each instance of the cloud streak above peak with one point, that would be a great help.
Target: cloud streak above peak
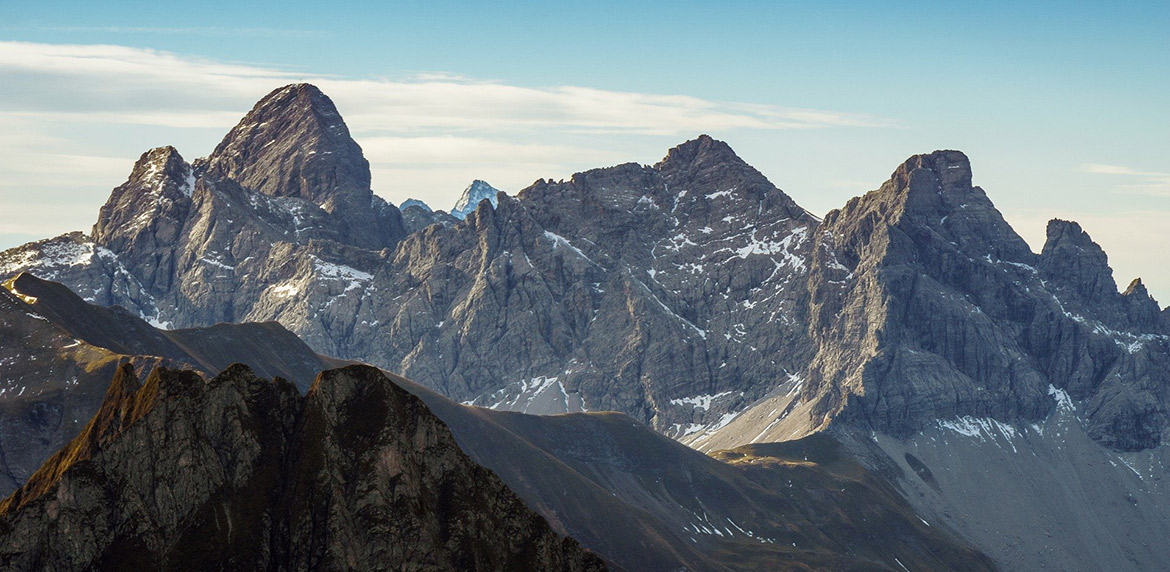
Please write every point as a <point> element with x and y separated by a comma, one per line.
<point>213,31</point>
<point>71,110</point>
<point>112,79</point>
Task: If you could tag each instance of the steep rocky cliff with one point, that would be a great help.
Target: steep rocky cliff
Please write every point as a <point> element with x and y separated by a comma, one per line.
<point>949,313</point>
<point>239,472</point>
<point>925,305</point>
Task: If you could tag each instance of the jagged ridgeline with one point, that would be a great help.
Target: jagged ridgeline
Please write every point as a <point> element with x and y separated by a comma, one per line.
<point>682,294</point>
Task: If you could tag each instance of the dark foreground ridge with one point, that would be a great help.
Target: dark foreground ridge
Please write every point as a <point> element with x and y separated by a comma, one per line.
<point>243,473</point>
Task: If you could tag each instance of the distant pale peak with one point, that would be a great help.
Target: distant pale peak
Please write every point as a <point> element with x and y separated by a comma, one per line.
<point>474,193</point>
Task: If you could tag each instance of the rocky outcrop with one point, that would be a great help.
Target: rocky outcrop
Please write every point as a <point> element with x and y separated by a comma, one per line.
<point>240,472</point>
<point>1077,271</point>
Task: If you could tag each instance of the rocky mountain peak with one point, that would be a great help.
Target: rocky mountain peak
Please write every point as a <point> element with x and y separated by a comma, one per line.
<point>931,197</point>
<point>417,215</point>
<point>147,210</point>
<point>932,185</point>
<point>251,453</point>
<point>409,203</point>
<point>951,170</point>
<point>163,168</point>
<point>294,143</point>
<point>1141,309</point>
<point>474,193</point>
<point>710,164</point>
<point>703,150</point>
<point>941,290</point>
<point>1062,232</point>
<point>706,161</point>
<point>1075,264</point>
<point>117,409</point>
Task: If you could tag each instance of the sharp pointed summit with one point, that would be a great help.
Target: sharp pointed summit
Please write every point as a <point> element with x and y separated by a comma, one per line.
<point>294,143</point>
<point>700,150</point>
<point>146,212</point>
<point>474,193</point>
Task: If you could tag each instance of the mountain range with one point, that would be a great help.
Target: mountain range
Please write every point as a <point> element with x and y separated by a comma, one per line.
<point>911,333</point>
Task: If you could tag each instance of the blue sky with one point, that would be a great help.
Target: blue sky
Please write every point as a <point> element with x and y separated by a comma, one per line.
<point>1062,107</point>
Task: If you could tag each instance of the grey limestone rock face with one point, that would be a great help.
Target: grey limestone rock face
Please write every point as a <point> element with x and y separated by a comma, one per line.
<point>238,472</point>
<point>641,289</point>
<point>145,215</point>
<point>680,293</point>
<point>907,277</point>
<point>927,305</point>
<point>647,309</point>
<point>294,143</point>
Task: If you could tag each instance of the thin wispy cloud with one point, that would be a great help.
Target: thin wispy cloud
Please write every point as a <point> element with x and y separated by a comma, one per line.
<point>243,32</point>
<point>106,81</point>
<point>76,116</point>
<point>1136,181</point>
